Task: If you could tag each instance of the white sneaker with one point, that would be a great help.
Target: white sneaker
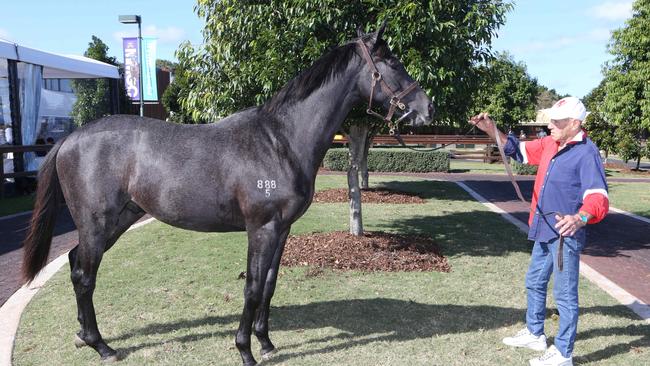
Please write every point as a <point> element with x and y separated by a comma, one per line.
<point>524,338</point>
<point>552,357</point>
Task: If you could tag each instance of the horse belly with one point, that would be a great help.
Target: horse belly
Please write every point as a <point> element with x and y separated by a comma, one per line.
<point>187,209</point>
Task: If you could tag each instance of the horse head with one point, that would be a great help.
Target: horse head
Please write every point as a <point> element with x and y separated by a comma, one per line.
<point>384,81</point>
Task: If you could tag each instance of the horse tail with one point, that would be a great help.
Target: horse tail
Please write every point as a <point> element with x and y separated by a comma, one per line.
<point>48,197</point>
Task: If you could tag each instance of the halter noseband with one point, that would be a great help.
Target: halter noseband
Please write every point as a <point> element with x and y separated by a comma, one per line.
<point>395,99</point>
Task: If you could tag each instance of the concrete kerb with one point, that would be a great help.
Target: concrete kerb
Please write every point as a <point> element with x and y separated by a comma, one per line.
<point>639,307</point>
<point>12,309</point>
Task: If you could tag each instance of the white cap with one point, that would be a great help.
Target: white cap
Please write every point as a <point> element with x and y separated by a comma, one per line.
<point>569,107</point>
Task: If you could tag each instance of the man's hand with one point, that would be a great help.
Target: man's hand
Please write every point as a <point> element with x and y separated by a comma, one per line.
<point>483,122</point>
<point>568,224</point>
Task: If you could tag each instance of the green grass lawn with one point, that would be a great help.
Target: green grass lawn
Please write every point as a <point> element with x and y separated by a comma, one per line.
<point>172,297</point>
<point>475,167</point>
<point>631,197</point>
<point>13,205</point>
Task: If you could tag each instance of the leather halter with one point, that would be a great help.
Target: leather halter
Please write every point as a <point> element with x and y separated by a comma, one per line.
<point>395,99</point>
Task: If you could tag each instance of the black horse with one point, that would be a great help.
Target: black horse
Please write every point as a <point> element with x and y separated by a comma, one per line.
<point>253,171</point>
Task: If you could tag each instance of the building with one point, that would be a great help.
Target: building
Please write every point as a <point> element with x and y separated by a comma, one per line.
<point>35,94</point>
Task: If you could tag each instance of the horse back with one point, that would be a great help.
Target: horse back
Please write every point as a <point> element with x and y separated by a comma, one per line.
<point>199,177</point>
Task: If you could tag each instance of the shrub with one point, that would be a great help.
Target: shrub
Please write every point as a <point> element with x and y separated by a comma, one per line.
<point>523,169</point>
<point>392,160</point>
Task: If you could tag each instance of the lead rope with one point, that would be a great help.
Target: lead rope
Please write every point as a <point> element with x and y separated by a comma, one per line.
<point>507,165</point>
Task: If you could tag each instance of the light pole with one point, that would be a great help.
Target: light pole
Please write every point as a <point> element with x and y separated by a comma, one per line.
<point>132,19</point>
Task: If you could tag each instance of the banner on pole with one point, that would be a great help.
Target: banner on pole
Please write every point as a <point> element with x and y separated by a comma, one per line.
<point>131,67</point>
<point>149,82</point>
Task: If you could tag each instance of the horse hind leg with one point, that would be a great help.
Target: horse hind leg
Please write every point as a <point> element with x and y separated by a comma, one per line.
<point>84,262</point>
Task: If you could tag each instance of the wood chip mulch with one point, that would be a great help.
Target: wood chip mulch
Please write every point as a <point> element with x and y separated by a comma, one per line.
<point>372,195</point>
<point>372,252</point>
<point>625,169</point>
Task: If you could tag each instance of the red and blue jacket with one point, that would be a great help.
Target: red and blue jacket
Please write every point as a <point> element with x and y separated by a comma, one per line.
<point>567,181</point>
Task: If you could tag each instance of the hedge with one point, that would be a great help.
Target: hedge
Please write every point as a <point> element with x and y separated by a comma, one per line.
<point>523,169</point>
<point>391,160</point>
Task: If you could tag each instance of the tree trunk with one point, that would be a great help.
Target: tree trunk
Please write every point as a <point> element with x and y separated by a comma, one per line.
<point>354,194</point>
<point>638,162</point>
<point>364,161</point>
<point>358,139</point>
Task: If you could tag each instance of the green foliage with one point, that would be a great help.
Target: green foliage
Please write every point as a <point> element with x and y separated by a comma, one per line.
<point>175,92</point>
<point>392,160</point>
<point>547,97</point>
<point>600,130</point>
<point>93,95</point>
<point>627,91</point>
<point>166,65</point>
<point>523,169</point>
<point>507,92</point>
<point>251,49</point>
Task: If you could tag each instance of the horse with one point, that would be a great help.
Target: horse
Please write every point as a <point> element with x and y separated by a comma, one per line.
<point>253,171</point>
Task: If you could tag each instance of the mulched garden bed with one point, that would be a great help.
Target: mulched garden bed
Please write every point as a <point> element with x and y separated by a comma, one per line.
<point>371,195</point>
<point>374,251</point>
<point>625,169</point>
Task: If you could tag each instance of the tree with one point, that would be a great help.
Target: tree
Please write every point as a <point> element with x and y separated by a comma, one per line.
<point>547,97</point>
<point>627,91</point>
<point>166,65</point>
<point>601,131</point>
<point>93,95</point>
<point>175,92</point>
<point>251,49</point>
<point>506,91</point>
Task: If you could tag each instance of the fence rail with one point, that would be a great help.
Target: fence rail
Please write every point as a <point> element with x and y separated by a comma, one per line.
<point>17,149</point>
<point>426,140</point>
<point>489,154</point>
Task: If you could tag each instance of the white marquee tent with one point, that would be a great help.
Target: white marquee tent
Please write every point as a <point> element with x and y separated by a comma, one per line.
<point>57,66</point>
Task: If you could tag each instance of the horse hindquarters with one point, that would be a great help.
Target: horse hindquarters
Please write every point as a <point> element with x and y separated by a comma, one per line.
<point>102,211</point>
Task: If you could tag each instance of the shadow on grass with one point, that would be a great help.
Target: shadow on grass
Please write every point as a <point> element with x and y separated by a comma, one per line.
<point>642,332</point>
<point>365,321</point>
<point>481,233</point>
<point>473,233</point>
<point>427,189</point>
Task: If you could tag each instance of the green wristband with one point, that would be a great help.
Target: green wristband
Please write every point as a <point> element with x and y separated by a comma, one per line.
<point>583,218</point>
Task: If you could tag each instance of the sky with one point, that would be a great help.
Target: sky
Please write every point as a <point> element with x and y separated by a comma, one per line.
<point>562,42</point>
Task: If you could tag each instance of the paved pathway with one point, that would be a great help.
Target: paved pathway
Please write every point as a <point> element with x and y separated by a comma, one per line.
<point>13,231</point>
<point>618,247</point>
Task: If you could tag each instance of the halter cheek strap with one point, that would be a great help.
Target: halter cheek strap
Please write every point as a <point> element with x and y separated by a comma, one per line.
<point>376,77</point>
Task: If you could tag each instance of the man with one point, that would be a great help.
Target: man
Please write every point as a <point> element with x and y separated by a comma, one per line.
<point>570,192</point>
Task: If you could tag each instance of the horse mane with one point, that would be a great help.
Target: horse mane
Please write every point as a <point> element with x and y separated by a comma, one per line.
<point>320,72</point>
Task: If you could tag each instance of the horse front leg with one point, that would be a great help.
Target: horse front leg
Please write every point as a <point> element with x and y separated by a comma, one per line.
<point>262,246</point>
<point>262,320</point>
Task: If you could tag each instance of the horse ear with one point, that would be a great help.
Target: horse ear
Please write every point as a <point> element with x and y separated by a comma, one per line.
<point>381,30</point>
<point>377,36</point>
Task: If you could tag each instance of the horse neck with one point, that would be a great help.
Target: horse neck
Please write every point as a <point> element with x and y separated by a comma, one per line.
<point>310,124</point>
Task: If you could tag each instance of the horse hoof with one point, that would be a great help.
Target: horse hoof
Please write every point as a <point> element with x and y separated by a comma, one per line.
<point>110,359</point>
<point>78,342</point>
<point>268,355</point>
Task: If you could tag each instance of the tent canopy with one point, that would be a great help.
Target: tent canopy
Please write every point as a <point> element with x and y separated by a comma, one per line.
<point>58,66</point>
